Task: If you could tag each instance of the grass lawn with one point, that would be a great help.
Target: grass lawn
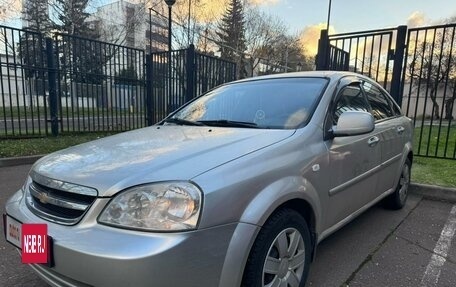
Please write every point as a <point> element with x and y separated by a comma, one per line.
<point>433,141</point>
<point>440,172</point>
<point>37,146</point>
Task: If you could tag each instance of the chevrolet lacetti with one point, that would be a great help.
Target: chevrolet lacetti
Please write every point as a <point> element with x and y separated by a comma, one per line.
<point>236,188</point>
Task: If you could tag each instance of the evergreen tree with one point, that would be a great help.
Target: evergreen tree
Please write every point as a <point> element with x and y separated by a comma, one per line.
<point>36,25</point>
<point>231,34</point>
<point>72,17</point>
<point>85,57</point>
<point>35,15</point>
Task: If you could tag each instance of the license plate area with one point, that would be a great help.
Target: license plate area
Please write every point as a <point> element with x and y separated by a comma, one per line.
<point>13,233</point>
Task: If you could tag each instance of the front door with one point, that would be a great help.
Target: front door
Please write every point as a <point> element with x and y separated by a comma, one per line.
<point>354,161</point>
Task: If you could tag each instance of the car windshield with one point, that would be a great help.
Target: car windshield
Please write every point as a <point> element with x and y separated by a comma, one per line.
<point>273,103</point>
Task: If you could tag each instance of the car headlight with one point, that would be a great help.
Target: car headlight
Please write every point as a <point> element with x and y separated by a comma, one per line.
<point>167,206</point>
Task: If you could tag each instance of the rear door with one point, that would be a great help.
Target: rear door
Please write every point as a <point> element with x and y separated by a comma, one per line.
<point>388,126</point>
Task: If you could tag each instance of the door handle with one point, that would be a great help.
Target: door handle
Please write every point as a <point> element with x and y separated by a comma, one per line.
<point>373,141</point>
<point>400,129</point>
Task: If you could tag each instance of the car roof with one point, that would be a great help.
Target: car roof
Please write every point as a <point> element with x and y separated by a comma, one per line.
<point>332,75</point>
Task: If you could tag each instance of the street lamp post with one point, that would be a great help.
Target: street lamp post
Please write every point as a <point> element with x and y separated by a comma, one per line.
<point>188,22</point>
<point>329,16</point>
<point>150,30</point>
<point>170,4</point>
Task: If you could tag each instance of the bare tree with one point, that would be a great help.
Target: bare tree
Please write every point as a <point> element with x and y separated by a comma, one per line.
<point>9,9</point>
<point>433,65</point>
<point>449,103</point>
<point>270,47</point>
<point>263,32</point>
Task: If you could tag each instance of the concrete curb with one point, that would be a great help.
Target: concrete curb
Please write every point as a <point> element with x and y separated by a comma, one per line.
<point>425,190</point>
<point>434,192</point>
<point>13,161</point>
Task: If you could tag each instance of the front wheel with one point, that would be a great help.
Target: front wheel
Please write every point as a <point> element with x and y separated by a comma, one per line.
<point>398,199</point>
<point>280,255</point>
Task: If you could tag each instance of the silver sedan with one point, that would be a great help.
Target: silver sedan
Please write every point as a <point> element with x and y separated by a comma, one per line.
<point>236,188</point>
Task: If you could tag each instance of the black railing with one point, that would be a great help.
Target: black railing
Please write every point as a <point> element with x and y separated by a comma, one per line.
<point>73,84</point>
<point>191,74</point>
<point>339,60</point>
<point>418,68</point>
<point>366,52</point>
<point>210,72</point>
<point>430,89</point>
<point>23,83</point>
<point>101,85</point>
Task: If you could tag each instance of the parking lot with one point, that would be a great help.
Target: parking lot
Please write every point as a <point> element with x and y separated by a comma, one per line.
<point>410,247</point>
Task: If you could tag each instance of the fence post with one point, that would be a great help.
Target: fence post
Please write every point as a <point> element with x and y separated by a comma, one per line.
<point>190,71</point>
<point>52,77</point>
<point>396,83</point>
<point>322,56</point>
<point>149,99</point>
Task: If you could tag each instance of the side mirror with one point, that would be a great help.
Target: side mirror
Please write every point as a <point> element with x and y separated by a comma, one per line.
<point>352,123</point>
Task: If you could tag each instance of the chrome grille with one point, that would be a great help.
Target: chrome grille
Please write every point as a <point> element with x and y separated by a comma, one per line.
<point>58,201</point>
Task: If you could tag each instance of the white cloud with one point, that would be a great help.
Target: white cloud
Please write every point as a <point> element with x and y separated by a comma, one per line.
<point>264,2</point>
<point>310,35</point>
<point>417,19</point>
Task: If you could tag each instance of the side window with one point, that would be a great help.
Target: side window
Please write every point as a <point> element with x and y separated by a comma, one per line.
<point>351,99</point>
<point>380,105</point>
<point>396,108</point>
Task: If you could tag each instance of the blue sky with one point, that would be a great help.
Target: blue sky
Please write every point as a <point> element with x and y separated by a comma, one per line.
<point>353,15</point>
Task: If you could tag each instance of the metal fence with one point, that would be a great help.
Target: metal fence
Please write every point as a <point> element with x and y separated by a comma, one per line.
<point>186,76</point>
<point>101,86</point>
<point>339,59</point>
<point>23,83</point>
<point>417,66</point>
<point>366,52</point>
<point>72,84</point>
<point>429,83</point>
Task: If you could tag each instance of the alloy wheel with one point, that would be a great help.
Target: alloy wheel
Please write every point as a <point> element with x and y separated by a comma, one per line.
<point>285,259</point>
<point>404,183</point>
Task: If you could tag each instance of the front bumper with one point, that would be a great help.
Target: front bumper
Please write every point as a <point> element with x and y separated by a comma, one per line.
<point>96,255</point>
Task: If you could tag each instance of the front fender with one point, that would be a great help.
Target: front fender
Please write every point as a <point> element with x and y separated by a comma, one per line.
<point>277,194</point>
<point>255,215</point>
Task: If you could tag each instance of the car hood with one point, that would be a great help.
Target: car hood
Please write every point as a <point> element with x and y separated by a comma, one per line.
<point>158,153</point>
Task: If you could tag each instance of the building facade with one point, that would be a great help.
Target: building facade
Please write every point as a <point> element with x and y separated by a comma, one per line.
<point>129,24</point>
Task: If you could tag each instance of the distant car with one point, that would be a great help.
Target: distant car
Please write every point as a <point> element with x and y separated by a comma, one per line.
<point>236,188</point>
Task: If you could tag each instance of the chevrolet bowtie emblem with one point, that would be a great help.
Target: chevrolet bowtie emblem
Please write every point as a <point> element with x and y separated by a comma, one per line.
<point>43,197</point>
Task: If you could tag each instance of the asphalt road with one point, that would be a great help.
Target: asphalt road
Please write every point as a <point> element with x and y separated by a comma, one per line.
<point>415,246</point>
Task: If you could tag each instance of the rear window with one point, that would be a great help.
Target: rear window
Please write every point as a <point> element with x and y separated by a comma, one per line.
<point>380,105</point>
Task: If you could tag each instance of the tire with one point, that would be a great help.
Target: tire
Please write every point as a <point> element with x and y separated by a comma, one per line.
<point>281,252</point>
<point>398,199</point>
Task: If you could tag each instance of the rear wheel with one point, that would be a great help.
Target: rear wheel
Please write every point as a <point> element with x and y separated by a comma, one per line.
<point>398,199</point>
<point>280,255</point>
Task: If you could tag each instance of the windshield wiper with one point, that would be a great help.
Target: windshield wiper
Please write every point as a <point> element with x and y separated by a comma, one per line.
<point>179,121</point>
<point>228,123</point>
